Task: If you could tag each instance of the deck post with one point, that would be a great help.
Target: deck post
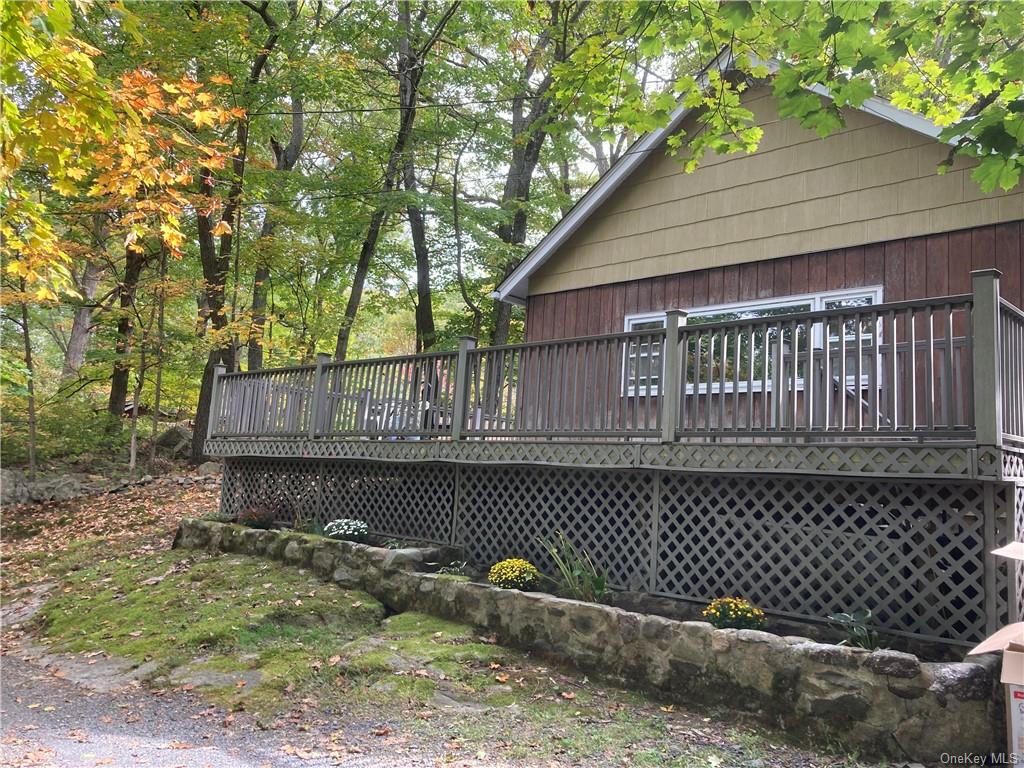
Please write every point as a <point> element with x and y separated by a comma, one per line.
<point>462,376</point>
<point>316,405</point>
<point>211,422</point>
<point>670,384</point>
<point>988,401</point>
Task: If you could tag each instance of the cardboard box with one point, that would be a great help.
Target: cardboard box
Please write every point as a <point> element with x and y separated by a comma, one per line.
<point>1010,641</point>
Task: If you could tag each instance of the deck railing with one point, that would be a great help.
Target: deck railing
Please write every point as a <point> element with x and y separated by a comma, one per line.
<point>1011,327</point>
<point>942,368</point>
<point>890,369</point>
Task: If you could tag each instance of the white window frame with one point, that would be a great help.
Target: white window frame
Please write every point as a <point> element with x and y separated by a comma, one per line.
<point>629,389</point>
<point>816,301</point>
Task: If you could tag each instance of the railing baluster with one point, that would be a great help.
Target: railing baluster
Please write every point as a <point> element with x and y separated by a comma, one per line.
<point>911,364</point>
<point>892,382</point>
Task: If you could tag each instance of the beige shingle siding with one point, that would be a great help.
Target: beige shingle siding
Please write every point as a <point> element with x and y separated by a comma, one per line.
<point>872,181</point>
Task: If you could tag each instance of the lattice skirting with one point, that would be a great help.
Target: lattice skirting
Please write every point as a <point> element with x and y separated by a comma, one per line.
<point>913,552</point>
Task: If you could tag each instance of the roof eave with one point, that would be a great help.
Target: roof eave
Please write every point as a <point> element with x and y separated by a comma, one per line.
<point>515,288</point>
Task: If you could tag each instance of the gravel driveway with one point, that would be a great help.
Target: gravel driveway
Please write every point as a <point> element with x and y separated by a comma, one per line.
<point>49,721</point>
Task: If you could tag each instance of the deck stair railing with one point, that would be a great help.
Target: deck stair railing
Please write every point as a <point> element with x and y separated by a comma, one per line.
<point>947,368</point>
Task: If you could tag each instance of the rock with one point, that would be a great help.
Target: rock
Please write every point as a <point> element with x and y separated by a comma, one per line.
<point>17,488</point>
<point>965,681</point>
<point>408,559</point>
<point>175,442</point>
<point>451,701</point>
<point>194,674</point>
<point>832,655</point>
<point>893,664</point>
<point>208,468</point>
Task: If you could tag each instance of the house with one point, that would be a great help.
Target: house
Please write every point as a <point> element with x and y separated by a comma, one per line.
<point>796,375</point>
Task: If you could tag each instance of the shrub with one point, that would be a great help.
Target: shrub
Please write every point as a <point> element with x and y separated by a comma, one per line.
<point>258,515</point>
<point>858,627</point>
<point>733,613</point>
<point>580,579</point>
<point>514,573</point>
<point>347,529</point>
<point>458,568</point>
<point>306,524</point>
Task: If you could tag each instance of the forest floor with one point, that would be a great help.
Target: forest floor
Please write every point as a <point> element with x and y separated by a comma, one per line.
<point>119,651</point>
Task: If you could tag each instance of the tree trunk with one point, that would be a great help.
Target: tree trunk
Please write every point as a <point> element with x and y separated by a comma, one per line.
<point>284,160</point>
<point>217,261</point>
<point>133,265</point>
<point>426,335</point>
<point>30,367</point>
<point>158,384</point>
<point>81,325</point>
<point>529,129</point>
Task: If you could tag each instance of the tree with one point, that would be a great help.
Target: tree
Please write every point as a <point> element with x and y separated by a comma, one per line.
<point>955,62</point>
<point>413,51</point>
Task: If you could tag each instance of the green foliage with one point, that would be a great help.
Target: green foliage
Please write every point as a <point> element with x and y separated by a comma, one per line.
<point>957,62</point>
<point>733,613</point>
<point>79,428</point>
<point>859,628</point>
<point>578,576</point>
<point>514,573</point>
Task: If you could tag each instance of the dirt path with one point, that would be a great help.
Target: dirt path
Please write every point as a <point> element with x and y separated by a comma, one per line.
<point>48,721</point>
<point>87,710</point>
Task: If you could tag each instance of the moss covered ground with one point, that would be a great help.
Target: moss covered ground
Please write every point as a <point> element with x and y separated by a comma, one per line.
<point>308,658</point>
<point>273,641</point>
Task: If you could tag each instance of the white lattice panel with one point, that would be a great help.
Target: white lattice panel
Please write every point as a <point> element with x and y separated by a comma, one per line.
<point>912,553</point>
<point>404,500</point>
<point>504,511</point>
<point>289,486</point>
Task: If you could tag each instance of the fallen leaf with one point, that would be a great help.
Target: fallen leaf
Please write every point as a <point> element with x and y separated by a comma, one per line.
<point>568,695</point>
<point>501,677</point>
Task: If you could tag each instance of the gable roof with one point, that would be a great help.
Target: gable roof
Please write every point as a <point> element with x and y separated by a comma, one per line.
<point>514,288</point>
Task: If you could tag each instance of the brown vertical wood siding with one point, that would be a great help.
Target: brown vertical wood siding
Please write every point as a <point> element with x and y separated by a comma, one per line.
<point>913,268</point>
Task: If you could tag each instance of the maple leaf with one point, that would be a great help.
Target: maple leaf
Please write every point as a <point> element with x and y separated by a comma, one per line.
<point>204,117</point>
<point>224,228</point>
<point>220,79</point>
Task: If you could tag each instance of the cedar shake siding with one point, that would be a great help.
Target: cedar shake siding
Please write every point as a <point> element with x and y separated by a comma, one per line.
<point>871,182</point>
<point>910,268</point>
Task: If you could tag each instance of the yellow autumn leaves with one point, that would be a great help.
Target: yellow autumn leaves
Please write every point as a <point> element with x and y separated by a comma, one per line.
<point>132,147</point>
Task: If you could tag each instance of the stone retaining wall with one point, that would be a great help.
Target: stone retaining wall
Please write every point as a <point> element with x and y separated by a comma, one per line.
<point>882,703</point>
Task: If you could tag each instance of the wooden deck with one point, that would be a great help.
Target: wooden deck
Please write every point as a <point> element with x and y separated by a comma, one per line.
<point>926,388</point>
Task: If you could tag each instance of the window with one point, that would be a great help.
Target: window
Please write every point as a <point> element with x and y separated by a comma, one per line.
<point>642,371</point>
<point>643,360</point>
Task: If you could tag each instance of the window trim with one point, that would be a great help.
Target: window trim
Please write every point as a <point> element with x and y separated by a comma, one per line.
<point>817,302</point>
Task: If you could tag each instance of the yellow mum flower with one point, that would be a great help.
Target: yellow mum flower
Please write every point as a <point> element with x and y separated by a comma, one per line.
<point>514,573</point>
